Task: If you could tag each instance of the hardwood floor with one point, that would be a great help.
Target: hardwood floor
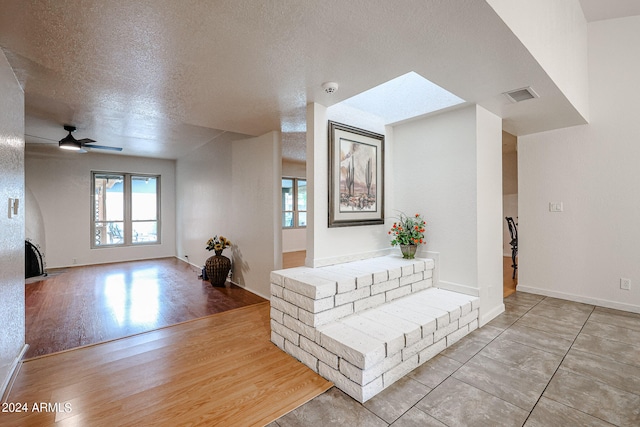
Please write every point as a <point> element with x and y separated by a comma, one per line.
<point>217,370</point>
<point>293,259</point>
<point>84,305</point>
<point>508,282</point>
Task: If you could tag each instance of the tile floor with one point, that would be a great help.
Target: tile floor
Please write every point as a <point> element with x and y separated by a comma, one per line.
<point>543,362</point>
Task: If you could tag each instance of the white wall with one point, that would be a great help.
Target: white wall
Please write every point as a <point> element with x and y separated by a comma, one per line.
<point>326,245</point>
<point>555,32</point>
<point>447,167</point>
<point>203,188</point>
<point>231,187</point>
<point>435,175</point>
<point>489,213</point>
<point>255,211</point>
<point>12,333</point>
<point>581,253</point>
<point>60,183</point>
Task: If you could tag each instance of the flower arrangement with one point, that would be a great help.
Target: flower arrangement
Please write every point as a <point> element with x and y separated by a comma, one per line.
<point>218,243</point>
<point>408,230</point>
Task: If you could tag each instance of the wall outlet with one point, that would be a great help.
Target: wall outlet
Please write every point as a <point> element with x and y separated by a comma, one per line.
<point>625,284</point>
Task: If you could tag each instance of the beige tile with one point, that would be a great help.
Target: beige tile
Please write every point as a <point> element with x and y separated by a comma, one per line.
<point>619,375</point>
<point>455,403</point>
<point>615,350</point>
<point>333,408</point>
<point>416,418</point>
<point>605,310</point>
<point>611,332</point>
<point>594,398</point>
<point>503,321</point>
<point>617,318</point>
<point>435,371</point>
<point>523,357</point>
<point>515,308</point>
<point>568,331</point>
<point>464,349</point>
<point>486,333</point>
<point>536,338</point>
<point>511,384</point>
<point>524,298</point>
<point>566,305</point>
<point>560,314</point>
<point>550,413</point>
<point>395,400</point>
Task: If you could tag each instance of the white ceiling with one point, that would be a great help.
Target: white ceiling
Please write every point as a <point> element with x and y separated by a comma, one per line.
<point>161,78</point>
<point>598,10</point>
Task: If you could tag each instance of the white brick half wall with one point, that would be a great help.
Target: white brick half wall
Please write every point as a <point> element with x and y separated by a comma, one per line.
<point>365,324</point>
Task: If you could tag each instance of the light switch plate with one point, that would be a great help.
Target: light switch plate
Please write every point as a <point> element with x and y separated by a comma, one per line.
<point>556,207</point>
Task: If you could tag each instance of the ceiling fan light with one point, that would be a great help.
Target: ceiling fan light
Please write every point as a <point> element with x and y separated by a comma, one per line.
<point>69,145</point>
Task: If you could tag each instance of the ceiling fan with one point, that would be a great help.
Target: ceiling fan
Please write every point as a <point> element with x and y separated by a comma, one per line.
<point>79,145</point>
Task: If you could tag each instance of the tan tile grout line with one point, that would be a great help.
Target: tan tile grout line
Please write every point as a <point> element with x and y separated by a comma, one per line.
<point>559,365</point>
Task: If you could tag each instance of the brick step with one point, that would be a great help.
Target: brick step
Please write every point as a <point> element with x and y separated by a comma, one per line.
<point>365,324</point>
<point>378,346</point>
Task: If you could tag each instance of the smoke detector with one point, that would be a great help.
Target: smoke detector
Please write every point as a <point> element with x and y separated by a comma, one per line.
<point>330,87</point>
<point>520,95</point>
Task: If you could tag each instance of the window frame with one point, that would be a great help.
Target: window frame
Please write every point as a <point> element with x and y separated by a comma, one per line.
<point>296,211</point>
<point>127,221</point>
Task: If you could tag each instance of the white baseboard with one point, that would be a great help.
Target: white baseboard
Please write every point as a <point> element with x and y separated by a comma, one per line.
<point>579,298</point>
<point>487,317</point>
<point>268,298</point>
<point>7,381</point>
<point>457,287</point>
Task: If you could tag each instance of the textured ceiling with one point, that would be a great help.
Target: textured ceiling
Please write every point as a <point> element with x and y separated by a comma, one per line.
<point>161,78</point>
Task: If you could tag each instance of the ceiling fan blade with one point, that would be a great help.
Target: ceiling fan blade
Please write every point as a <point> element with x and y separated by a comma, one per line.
<point>102,147</point>
<point>85,141</point>
<point>40,137</point>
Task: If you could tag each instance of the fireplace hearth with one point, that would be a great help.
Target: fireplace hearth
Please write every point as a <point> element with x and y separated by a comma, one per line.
<point>33,261</point>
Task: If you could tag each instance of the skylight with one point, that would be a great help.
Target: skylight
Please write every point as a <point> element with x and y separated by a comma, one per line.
<point>402,98</point>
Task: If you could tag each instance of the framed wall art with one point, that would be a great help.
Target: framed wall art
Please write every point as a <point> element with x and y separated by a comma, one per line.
<point>356,176</point>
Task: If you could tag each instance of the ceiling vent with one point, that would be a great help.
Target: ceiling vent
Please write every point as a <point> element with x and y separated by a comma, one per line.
<point>519,95</point>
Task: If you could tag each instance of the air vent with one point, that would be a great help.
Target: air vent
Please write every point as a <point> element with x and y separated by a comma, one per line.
<point>519,95</point>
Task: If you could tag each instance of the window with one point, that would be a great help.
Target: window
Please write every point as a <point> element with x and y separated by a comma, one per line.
<point>294,202</point>
<point>125,209</point>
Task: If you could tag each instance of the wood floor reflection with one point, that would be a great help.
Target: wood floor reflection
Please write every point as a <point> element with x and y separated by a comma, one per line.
<point>219,370</point>
<point>79,306</point>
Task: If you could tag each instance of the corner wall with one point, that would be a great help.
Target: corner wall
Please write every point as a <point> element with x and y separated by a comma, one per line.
<point>581,253</point>
<point>255,214</point>
<point>326,246</point>
<point>447,167</point>
<point>555,32</point>
<point>231,187</point>
<point>12,304</point>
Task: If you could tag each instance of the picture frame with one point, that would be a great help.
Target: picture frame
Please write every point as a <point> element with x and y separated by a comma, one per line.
<point>356,176</point>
